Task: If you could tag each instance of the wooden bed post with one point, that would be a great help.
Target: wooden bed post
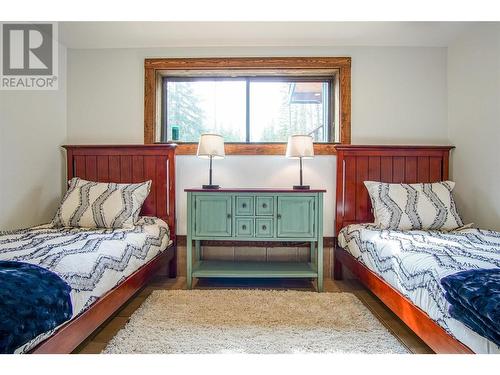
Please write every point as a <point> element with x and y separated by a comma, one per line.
<point>337,269</point>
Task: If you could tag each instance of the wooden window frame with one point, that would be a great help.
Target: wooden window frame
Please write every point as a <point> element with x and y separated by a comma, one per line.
<point>154,69</point>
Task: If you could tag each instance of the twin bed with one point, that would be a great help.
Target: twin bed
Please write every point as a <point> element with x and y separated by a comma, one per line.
<point>405,268</point>
<point>99,268</point>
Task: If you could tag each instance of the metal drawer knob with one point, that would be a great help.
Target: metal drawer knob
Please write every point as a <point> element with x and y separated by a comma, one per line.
<point>243,227</point>
<point>264,205</point>
<point>264,227</point>
<point>279,216</point>
<point>244,205</point>
<point>229,216</point>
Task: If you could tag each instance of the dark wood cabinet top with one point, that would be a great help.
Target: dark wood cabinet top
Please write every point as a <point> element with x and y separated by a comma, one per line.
<point>255,190</point>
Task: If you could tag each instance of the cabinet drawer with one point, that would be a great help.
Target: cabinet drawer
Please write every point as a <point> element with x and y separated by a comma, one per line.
<point>244,227</point>
<point>264,227</point>
<point>244,206</point>
<point>265,206</point>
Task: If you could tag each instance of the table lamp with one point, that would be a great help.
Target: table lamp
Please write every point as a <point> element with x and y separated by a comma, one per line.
<point>211,146</point>
<point>300,147</point>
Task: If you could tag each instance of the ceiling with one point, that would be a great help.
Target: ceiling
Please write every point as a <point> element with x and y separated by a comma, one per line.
<point>230,34</point>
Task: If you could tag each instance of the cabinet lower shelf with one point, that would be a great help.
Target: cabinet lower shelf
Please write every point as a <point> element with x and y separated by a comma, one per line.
<point>212,268</point>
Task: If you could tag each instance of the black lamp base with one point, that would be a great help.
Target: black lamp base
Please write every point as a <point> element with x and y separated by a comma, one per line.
<point>210,186</point>
<point>301,187</point>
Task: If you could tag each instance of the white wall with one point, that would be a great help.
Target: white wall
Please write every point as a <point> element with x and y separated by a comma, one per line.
<point>256,171</point>
<point>32,127</point>
<point>474,123</point>
<point>398,96</point>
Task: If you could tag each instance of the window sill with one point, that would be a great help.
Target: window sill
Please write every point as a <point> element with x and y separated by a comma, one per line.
<point>255,148</point>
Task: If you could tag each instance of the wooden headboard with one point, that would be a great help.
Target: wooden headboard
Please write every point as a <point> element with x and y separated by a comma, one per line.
<point>407,164</point>
<point>130,164</point>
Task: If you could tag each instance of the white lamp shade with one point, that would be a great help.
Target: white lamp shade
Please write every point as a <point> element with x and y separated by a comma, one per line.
<point>300,146</point>
<point>211,145</point>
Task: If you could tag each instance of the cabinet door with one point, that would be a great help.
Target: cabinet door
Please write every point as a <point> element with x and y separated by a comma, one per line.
<point>296,216</point>
<point>212,215</point>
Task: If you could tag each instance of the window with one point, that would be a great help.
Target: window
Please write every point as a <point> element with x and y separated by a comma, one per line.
<point>247,109</point>
<point>254,102</point>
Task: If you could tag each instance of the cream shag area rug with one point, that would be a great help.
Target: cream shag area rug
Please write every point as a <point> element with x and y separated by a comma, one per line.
<point>253,321</point>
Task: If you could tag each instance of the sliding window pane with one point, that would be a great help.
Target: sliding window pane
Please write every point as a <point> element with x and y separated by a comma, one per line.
<point>205,106</point>
<point>279,109</point>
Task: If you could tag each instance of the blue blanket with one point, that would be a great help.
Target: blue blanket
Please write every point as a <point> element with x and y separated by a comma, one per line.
<point>33,300</point>
<point>474,298</point>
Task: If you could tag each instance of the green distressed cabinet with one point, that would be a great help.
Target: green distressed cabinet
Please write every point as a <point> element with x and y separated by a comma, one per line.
<point>283,215</point>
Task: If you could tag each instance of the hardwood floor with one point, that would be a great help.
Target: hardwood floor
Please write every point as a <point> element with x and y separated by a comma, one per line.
<point>99,339</point>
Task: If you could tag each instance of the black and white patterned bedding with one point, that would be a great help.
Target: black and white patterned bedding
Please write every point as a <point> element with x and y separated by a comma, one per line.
<point>91,261</point>
<point>413,262</point>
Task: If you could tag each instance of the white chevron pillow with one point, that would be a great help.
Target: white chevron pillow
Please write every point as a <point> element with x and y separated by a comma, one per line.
<point>91,204</point>
<point>414,206</point>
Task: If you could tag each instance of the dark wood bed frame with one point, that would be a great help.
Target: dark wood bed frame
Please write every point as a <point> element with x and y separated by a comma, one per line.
<point>123,163</point>
<point>408,164</point>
